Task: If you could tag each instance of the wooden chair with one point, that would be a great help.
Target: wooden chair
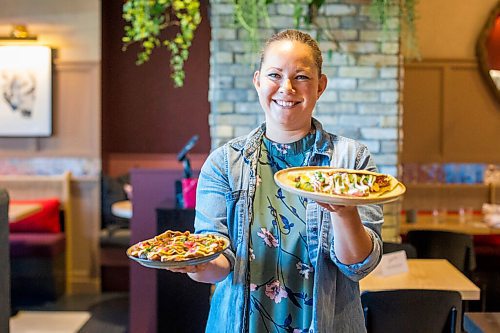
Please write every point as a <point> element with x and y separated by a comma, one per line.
<point>412,311</point>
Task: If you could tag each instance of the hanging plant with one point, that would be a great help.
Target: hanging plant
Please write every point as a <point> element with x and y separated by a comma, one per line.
<point>249,14</point>
<point>407,10</point>
<point>146,21</point>
<point>253,14</point>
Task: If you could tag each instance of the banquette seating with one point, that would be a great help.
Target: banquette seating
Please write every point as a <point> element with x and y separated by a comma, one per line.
<point>40,247</point>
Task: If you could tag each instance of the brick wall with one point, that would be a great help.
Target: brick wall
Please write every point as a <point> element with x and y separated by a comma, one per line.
<point>362,100</point>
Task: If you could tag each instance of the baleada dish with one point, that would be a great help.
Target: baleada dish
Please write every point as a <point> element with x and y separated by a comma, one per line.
<point>178,246</point>
<point>341,182</point>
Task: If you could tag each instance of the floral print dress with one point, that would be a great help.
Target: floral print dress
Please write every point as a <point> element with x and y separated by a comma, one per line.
<point>281,275</point>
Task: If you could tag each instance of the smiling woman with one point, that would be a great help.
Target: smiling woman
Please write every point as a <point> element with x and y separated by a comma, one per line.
<point>271,267</point>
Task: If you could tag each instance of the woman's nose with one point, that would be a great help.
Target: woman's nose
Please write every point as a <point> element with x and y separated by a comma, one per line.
<point>286,86</point>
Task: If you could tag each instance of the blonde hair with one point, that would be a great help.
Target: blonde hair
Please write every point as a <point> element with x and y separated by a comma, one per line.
<point>295,36</point>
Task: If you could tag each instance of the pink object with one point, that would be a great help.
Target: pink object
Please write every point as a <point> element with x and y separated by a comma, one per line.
<point>46,220</point>
<point>189,192</point>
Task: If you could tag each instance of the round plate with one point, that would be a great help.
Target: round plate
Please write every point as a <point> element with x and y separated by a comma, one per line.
<point>281,179</point>
<point>181,263</point>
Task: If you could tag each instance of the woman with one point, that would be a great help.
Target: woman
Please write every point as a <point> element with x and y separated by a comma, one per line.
<point>293,264</point>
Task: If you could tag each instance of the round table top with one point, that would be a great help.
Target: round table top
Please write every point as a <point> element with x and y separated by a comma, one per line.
<point>122,209</point>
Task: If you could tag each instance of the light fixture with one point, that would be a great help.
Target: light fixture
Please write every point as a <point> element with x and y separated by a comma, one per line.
<point>19,33</point>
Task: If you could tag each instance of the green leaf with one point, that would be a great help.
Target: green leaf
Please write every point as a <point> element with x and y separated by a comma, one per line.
<point>147,19</point>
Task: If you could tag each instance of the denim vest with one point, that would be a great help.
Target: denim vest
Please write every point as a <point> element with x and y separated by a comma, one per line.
<point>224,205</point>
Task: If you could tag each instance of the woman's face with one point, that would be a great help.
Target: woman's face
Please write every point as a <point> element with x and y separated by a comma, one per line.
<point>289,85</point>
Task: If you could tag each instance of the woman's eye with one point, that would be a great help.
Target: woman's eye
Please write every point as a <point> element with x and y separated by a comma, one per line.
<point>273,75</point>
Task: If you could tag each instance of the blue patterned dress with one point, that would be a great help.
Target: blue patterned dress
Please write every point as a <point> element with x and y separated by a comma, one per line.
<point>281,275</point>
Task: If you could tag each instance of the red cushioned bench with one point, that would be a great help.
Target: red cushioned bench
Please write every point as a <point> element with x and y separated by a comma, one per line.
<point>37,254</point>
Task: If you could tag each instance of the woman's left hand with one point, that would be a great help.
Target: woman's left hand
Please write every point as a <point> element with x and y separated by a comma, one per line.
<point>352,242</point>
<point>339,209</point>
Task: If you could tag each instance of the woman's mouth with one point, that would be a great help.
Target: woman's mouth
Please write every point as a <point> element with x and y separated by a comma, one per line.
<point>285,104</point>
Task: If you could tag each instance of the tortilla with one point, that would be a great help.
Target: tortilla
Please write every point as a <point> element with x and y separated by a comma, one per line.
<point>341,182</point>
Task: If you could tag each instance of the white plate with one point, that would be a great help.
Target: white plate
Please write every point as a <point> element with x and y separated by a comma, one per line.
<point>182,263</point>
<point>280,178</point>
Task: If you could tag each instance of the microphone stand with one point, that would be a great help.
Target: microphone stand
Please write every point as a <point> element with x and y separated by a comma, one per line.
<point>186,164</point>
<point>182,156</point>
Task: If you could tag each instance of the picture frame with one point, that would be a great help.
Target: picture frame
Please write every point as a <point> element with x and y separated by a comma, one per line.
<point>25,91</point>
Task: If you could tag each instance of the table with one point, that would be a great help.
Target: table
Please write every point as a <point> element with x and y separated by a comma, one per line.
<point>450,223</point>
<point>482,322</point>
<point>436,274</point>
<point>18,211</point>
<point>122,209</point>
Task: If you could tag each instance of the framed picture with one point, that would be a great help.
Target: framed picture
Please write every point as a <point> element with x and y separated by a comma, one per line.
<point>25,91</point>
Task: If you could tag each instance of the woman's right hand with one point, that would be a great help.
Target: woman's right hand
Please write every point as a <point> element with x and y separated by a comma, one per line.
<point>188,269</point>
<point>210,272</point>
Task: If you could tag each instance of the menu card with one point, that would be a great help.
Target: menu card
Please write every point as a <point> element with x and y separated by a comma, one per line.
<point>392,263</point>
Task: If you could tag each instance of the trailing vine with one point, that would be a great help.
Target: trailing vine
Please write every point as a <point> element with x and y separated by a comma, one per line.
<point>147,19</point>
<point>253,14</point>
<point>407,14</point>
<point>249,15</point>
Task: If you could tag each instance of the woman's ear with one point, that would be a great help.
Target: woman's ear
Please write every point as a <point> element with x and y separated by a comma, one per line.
<point>256,77</point>
<point>323,81</point>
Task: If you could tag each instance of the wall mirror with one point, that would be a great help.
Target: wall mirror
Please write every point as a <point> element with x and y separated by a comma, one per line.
<point>488,51</point>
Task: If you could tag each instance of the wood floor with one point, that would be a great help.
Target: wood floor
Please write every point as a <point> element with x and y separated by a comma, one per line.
<point>109,311</point>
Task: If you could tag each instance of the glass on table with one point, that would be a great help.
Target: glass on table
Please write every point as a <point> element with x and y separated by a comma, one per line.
<point>465,214</point>
<point>411,215</point>
<point>439,214</point>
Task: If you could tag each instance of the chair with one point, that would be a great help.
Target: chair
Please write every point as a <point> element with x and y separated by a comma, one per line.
<point>412,311</point>
<point>457,248</point>
<point>112,191</point>
<point>389,247</point>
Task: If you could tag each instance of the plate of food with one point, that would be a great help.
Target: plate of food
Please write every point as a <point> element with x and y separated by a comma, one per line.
<point>346,187</point>
<point>177,249</point>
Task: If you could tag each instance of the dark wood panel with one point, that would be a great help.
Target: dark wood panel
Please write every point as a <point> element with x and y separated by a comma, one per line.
<point>141,110</point>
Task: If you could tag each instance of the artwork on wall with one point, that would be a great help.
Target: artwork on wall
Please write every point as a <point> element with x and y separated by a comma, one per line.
<point>25,91</point>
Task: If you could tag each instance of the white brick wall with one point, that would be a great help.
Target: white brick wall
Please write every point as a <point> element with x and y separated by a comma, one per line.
<point>362,98</point>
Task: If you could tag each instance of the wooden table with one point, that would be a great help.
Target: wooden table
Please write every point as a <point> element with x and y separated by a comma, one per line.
<point>451,223</point>
<point>19,211</point>
<point>436,274</point>
<point>482,322</point>
<point>122,209</point>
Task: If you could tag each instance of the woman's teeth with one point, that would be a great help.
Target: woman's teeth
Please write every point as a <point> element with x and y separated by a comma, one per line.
<point>285,103</point>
